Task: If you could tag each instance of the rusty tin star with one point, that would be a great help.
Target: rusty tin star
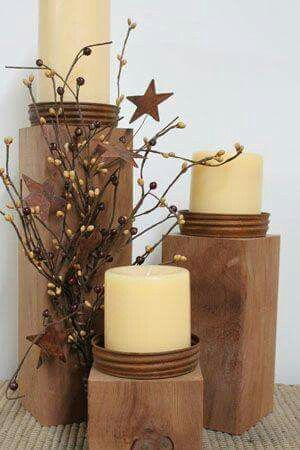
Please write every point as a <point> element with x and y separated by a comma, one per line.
<point>42,195</point>
<point>148,103</point>
<point>51,343</point>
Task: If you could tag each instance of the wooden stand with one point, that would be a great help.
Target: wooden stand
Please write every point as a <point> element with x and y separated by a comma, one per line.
<point>234,308</point>
<point>145,414</point>
<point>53,394</point>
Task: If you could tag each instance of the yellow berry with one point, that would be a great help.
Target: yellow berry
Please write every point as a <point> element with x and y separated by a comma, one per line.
<point>51,293</point>
<point>58,291</point>
<point>9,218</point>
<point>8,140</point>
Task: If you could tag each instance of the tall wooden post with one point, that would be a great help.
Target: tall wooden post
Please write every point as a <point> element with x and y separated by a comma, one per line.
<point>234,310</point>
<point>53,394</point>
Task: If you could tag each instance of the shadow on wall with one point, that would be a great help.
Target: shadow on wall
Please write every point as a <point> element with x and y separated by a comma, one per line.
<point>13,116</point>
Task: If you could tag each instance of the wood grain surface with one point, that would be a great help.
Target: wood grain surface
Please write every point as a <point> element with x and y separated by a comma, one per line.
<point>145,414</point>
<point>54,393</point>
<point>234,308</point>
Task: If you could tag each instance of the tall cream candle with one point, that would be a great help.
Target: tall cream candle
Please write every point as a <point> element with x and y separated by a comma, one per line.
<point>66,26</point>
<point>147,309</point>
<point>234,188</point>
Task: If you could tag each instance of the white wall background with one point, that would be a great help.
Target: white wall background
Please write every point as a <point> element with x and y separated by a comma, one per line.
<point>235,68</point>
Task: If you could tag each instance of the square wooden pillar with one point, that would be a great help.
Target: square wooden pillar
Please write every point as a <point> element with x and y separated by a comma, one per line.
<point>54,394</point>
<point>234,310</point>
<point>145,414</point>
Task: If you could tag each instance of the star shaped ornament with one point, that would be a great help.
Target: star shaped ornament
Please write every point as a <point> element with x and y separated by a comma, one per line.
<point>118,151</point>
<point>148,103</point>
<point>51,343</point>
<point>42,195</point>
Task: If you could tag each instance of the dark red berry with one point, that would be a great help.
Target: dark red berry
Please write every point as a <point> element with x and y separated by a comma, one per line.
<point>72,281</point>
<point>122,220</point>
<point>101,206</point>
<point>74,307</point>
<point>13,385</point>
<point>72,147</point>
<point>173,208</point>
<point>140,260</point>
<point>37,251</point>
<point>114,179</point>
<point>78,132</point>
<point>98,289</point>
<point>67,185</point>
<point>46,313</point>
<point>152,142</point>
<point>80,81</point>
<point>153,185</point>
<point>53,146</point>
<point>60,91</point>
<point>123,139</point>
<point>133,231</point>
<point>113,232</point>
<point>87,51</point>
<point>26,211</point>
<point>39,62</point>
<point>101,255</point>
<point>50,255</point>
<point>98,124</point>
<point>109,259</point>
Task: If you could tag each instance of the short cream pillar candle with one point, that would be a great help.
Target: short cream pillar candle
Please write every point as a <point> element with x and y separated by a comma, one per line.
<point>66,26</point>
<point>234,188</point>
<point>147,309</point>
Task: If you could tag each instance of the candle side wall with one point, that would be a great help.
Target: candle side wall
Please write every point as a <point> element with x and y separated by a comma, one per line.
<point>65,28</point>
<point>147,314</point>
<point>234,188</point>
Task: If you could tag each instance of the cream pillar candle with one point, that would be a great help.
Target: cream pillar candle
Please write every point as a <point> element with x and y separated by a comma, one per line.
<point>147,309</point>
<point>66,26</point>
<point>234,188</point>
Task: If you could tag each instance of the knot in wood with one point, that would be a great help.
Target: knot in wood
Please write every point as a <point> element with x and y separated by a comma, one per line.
<point>151,440</point>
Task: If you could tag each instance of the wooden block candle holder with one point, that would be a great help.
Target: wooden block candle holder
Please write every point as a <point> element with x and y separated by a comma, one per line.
<point>54,394</point>
<point>145,401</point>
<point>234,283</point>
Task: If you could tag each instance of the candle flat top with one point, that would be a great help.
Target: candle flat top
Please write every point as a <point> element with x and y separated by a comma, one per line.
<point>148,271</point>
<point>229,154</point>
